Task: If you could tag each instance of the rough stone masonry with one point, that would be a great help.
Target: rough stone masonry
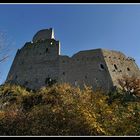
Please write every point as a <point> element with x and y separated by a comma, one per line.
<point>39,62</point>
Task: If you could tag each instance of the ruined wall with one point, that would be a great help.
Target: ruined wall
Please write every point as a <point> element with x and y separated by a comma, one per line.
<point>85,67</point>
<point>39,60</point>
<point>34,63</point>
<point>119,65</point>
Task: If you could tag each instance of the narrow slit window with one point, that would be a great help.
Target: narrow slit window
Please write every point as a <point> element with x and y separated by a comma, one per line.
<point>47,50</point>
<point>115,66</point>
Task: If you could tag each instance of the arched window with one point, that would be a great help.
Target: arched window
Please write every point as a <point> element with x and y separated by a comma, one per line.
<point>115,66</point>
<point>101,66</point>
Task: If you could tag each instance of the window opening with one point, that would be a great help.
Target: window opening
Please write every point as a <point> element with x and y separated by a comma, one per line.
<point>128,69</point>
<point>102,67</point>
<point>115,66</point>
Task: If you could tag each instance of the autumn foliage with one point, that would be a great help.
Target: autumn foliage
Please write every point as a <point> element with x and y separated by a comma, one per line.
<point>130,85</point>
<point>65,110</point>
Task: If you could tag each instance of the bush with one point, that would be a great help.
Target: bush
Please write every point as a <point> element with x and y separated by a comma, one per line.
<point>130,85</point>
<point>66,110</point>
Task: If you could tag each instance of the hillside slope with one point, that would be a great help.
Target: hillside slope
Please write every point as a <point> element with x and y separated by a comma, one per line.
<point>65,110</point>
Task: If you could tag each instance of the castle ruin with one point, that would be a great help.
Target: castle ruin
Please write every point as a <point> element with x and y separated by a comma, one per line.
<point>39,62</point>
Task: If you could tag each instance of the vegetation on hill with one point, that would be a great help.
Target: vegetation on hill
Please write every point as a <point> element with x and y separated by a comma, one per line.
<point>66,110</point>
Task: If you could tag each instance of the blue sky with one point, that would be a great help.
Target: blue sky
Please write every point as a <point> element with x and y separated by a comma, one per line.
<point>77,26</point>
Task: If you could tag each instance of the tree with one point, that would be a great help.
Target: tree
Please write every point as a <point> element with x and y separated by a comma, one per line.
<point>4,47</point>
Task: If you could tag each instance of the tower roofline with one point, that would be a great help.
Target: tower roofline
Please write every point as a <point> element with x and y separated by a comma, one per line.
<point>44,34</point>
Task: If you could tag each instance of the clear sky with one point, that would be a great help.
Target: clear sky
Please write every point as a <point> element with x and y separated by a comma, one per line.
<point>77,26</point>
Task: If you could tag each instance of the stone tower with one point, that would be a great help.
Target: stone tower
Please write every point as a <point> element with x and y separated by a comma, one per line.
<point>40,60</point>
<point>36,61</point>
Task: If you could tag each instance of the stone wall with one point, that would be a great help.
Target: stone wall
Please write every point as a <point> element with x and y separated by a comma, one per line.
<point>34,63</point>
<point>85,67</point>
<point>40,60</point>
<point>120,65</point>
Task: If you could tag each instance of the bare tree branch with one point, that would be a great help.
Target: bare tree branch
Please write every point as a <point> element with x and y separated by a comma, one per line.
<point>4,47</point>
<point>3,59</point>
